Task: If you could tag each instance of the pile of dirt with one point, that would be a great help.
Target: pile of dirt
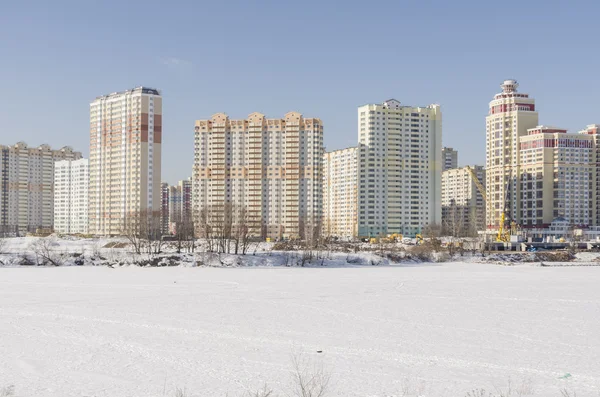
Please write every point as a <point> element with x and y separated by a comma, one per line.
<point>558,256</point>
<point>115,244</point>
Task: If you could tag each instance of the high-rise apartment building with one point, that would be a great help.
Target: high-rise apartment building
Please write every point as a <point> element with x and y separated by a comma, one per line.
<point>463,205</point>
<point>399,165</point>
<point>165,198</point>
<point>557,171</point>
<point>449,158</point>
<point>125,158</point>
<point>593,130</point>
<point>27,186</point>
<point>511,114</point>
<point>340,173</point>
<point>271,168</point>
<point>71,182</point>
<point>180,203</point>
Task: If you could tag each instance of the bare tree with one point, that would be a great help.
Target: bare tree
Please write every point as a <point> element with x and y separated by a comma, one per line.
<point>131,230</point>
<point>264,392</point>
<point>204,228</point>
<point>453,227</point>
<point>432,232</point>
<point>43,248</point>
<point>453,223</point>
<point>309,380</point>
<point>241,230</point>
<point>225,227</point>
<point>143,230</point>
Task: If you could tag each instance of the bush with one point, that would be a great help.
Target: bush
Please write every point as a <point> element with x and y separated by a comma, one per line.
<point>422,252</point>
<point>7,391</point>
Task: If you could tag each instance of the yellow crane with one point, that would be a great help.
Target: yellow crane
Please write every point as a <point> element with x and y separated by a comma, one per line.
<point>503,234</point>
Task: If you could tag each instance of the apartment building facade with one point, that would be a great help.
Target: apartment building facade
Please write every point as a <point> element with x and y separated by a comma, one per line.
<point>272,168</point>
<point>125,158</point>
<point>557,178</point>
<point>165,198</point>
<point>340,188</point>
<point>71,183</point>
<point>593,130</point>
<point>511,115</point>
<point>463,205</point>
<point>399,168</point>
<point>449,158</point>
<point>180,204</point>
<point>27,186</point>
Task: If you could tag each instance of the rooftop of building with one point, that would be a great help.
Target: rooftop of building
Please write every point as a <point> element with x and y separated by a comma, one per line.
<point>509,90</point>
<point>339,150</point>
<point>142,89</point>
<point>44,146</point>
<point>545,129</point>
<point>396,104</point>
<point>591,129</point>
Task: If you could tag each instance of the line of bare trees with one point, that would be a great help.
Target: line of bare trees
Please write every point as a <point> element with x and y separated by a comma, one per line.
<point>226,227</point>
<point>143,229</point>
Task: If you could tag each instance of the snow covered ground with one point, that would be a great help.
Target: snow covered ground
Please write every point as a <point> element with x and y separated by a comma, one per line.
<point>431,329</point>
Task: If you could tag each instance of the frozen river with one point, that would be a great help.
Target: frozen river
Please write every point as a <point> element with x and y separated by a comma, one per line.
<point>430,330</point>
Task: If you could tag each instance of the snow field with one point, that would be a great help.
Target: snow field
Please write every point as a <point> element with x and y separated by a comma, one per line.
<point>433,330</point>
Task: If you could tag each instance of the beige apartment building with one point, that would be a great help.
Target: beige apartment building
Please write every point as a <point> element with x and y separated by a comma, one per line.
<point>511,115</point>
<point>27,186</point>
<point>340,212</point>
<point>463,205</point>
<point>125,158</point>
<point>557,177</point>
<point>399,168</point>
<point>270,168</point>
<point>593,130</point>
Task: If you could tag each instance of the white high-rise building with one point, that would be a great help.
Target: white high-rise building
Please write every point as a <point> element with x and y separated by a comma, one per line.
<point>71,182</point>
<point>272,169</point>
<point>340,173</point>
<point>27,186</point>
<point>399,168</point>
<point>511,114</point>
<point>125,158</point>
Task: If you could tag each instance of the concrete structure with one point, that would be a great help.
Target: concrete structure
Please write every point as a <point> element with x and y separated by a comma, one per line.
<point>27,186</point>
<point>463,206</point>
<point>340,212</point>
<point>511,114</point>
<point>556,179</point>
<point>399,165</point>
<point>165,197</point>
<point>71,203</point>
<point>449,158</point>
<point>180,203</point>
<point>272,168</point>
<point>125,158</point>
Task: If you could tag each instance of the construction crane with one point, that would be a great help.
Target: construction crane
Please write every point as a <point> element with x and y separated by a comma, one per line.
<point>477,183</point>
<point>503,234</point>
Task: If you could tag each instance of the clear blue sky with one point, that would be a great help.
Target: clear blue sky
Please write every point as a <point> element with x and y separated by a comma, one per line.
<point>321,58</point>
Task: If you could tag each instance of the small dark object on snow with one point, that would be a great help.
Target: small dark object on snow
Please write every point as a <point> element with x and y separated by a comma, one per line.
<point>319,351</point>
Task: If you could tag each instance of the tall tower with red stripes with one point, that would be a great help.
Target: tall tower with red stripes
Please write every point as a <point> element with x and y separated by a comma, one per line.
<point>511,114</point>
